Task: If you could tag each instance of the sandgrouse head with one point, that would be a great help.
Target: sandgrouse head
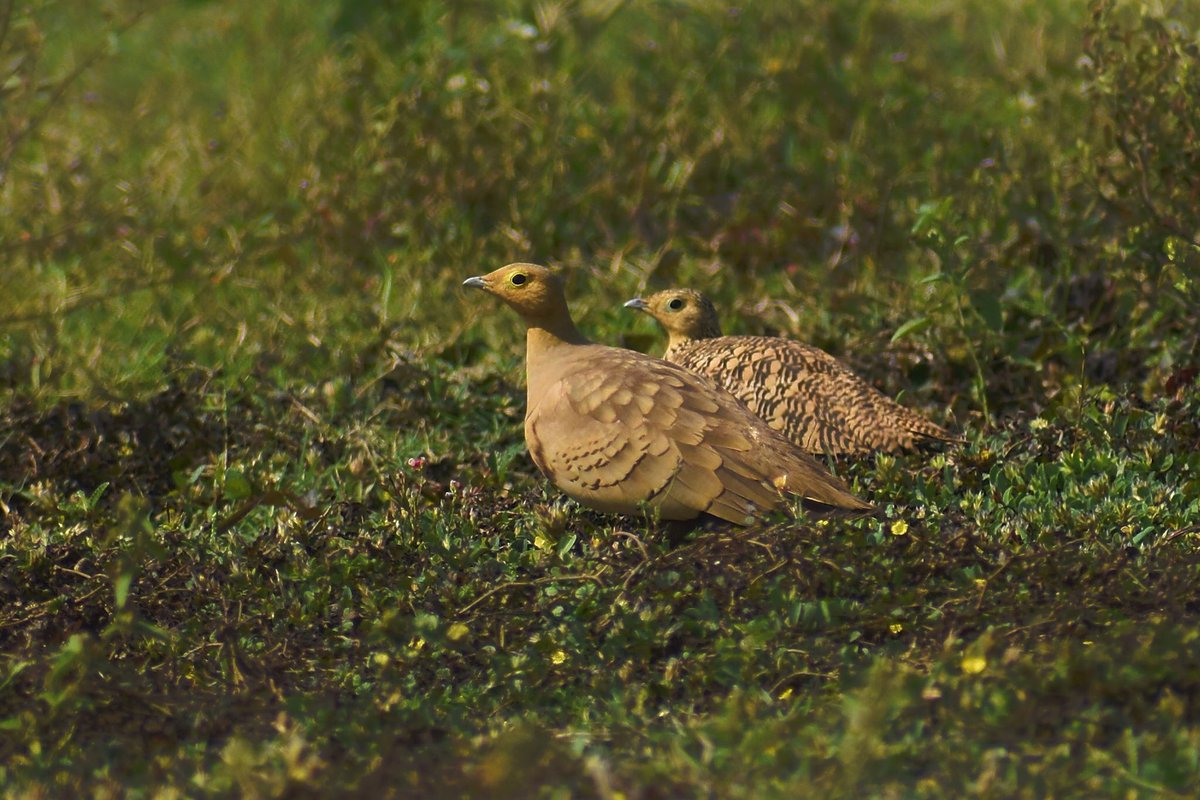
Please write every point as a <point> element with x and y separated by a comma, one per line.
<point>533,291</point>
<point>681,312</point>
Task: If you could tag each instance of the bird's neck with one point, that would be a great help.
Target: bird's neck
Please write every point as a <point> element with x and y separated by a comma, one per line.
<point>674,342</point>
<point>545,354</point>
<point>547,335</point>
<point>708,328</point>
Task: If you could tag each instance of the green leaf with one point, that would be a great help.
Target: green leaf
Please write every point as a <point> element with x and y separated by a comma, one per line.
<point>152,630</point>
<point>426,622</point>
<point>915,325</point>
<point>237,486</point>
<point>16,669</point>
<point>929,214</point>
<point>565,544</point>
<point>987,305</point>
<point>96,495</point>
<point>121,588</point>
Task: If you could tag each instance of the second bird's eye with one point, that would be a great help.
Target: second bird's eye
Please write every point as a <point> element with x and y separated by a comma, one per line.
<point>675,304</point>
<point>518,279</point>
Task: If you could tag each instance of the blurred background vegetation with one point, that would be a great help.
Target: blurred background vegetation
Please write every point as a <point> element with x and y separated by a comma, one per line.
<point>216,217</point>
<point>283,182</point>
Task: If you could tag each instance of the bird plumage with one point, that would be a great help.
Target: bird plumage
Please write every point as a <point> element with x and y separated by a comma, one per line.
<point>620,431</point>
<point>799,390</point>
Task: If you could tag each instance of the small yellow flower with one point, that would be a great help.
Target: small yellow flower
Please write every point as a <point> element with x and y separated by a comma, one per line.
<point>895,627</point>
<point>558,657</point>
<point>973,665</point>
<point>1039,424</point>
<point>899,528</point>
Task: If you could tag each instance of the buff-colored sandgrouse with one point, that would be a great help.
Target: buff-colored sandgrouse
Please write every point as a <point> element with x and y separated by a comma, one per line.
<point>621,432</point>
<point>800,390</point>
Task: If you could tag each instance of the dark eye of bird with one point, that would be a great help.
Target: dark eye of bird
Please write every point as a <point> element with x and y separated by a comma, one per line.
<point>675,304</point>
<point>518,279</point>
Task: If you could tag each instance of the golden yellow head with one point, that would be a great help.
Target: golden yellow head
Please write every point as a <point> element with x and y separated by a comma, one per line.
<point>683,313</point>
<point>534,292</point>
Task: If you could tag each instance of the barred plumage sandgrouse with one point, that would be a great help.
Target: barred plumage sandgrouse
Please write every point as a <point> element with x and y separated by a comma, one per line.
<point>620,431</point>
<point>799,390</point>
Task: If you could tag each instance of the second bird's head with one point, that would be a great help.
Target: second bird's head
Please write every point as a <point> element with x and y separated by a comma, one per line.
<point>532,291</point>
<point>684,312</point>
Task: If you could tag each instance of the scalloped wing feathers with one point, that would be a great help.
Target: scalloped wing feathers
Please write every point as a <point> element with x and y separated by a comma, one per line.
<point>806,394</point>
<point>618,431</point>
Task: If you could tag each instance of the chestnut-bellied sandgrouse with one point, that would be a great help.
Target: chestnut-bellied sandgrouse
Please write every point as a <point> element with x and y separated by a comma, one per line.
<point>620,431</point>
<point>799,390</point>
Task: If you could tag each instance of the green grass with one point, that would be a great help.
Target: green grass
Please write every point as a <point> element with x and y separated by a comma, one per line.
<point>267,523</point>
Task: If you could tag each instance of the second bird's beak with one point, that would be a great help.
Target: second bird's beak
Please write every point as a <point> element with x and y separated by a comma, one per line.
<point>475,282</point>
<point>637,303</point>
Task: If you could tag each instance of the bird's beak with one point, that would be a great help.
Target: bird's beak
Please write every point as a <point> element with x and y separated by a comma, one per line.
<point>475,283</point>
<point>638,303</point>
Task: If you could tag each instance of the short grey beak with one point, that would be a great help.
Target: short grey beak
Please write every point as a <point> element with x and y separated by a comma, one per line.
<point>475,283</point>
<point>637,303</point>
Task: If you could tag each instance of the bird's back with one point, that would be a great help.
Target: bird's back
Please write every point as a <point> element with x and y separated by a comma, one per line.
<point>806,394</point>
<point>618,430</point>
